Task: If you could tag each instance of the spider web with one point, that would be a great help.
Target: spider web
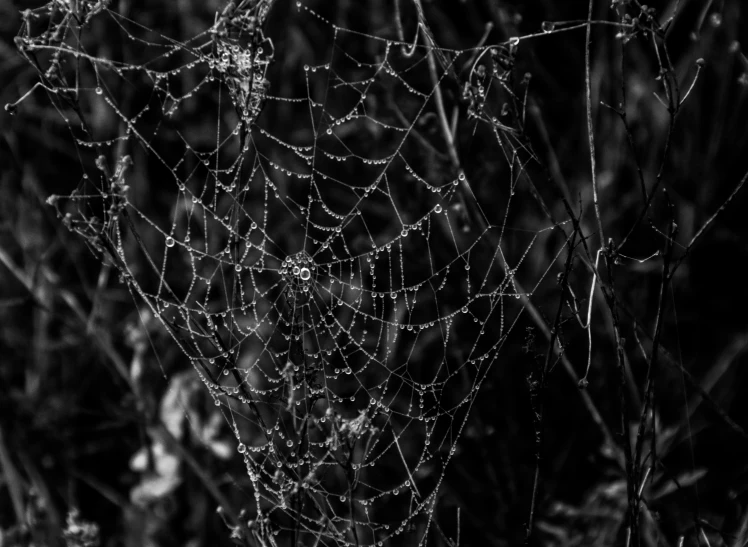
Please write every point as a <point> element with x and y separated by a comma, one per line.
<point>315,248</point>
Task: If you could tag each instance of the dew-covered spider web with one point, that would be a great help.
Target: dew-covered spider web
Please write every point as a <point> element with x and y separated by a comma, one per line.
<point>310,231</point>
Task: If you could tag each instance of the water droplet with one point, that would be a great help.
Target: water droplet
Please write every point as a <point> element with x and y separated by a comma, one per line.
<point>169,241</point>
<point>438,209</point>
<point>289,443</point>
<point>99,91</point>
<point>241,448</point>
<point>305,274</point>
<point>548,26</point>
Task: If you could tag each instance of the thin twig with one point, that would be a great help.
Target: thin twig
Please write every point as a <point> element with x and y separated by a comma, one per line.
<point>590,128</point>
<point>649,393</point>
<point>711,219</point>
<point>478,217</point>
<point>609,292</point>
<point>75,306</point>
<point>12,479</point>
<point>540,408</point>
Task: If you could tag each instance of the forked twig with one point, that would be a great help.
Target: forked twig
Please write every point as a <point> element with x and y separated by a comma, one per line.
<point>477,216</point>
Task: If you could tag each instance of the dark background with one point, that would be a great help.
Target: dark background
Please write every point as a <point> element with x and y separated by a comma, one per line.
<point>71,419</point>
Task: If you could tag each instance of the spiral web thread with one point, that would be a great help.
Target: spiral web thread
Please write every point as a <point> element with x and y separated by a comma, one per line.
<point>336,284</point>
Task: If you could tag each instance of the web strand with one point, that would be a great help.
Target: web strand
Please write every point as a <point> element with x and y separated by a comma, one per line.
<point>324,280</point>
